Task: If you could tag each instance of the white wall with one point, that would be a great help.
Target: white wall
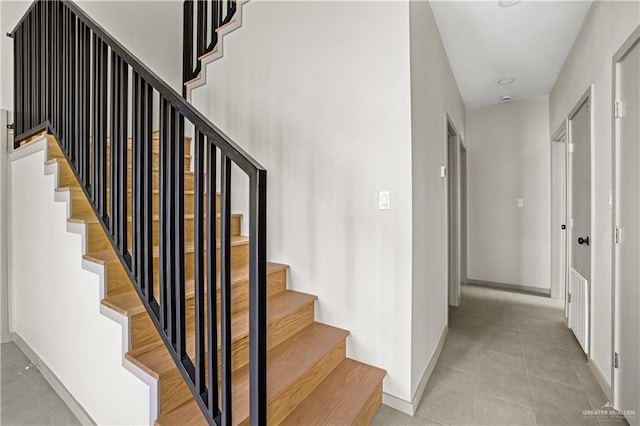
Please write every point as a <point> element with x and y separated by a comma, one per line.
<point>151,30</point>
<point>318,92</point>
<point>4,229</point>
<point>606,27</point>
<point>55,303</point>
<point>508,149</point>
<point>434,93</point>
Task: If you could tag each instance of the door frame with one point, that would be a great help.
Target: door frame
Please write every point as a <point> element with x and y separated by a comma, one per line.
<point>587,96</point>
<point>556,138</point>
<point>626,47</point>
<point>453,294</point>
<point>463,210</point>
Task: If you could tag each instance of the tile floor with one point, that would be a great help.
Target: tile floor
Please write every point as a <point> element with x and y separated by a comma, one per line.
<point>508,359</point>
<point>26,397</point>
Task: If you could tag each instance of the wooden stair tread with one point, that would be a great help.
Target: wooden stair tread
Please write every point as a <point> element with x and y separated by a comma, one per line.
<point>157,360</point>
<point>156,218</point>
<point>341,398</point>
<point>285,363</point>
<point>110,256</point>
<point>129,304</point>
<point>155,191</point>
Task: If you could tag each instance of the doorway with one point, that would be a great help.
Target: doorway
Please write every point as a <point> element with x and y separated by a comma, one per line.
<point>456,214</point>
<point>626,251</point>
<point>559,215</point>
<point>579,227</point>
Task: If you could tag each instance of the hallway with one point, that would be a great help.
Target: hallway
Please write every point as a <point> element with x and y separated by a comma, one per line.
<point>510,360</point>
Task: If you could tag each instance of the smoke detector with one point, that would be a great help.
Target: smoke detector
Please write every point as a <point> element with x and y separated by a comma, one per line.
<point>506,98</point>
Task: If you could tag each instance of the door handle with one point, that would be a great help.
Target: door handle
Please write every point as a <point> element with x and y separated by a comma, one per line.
<point>584,240</point>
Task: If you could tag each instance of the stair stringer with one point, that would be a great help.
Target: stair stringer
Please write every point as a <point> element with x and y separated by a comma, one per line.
<point>217,52</point>
<point>41,146</point>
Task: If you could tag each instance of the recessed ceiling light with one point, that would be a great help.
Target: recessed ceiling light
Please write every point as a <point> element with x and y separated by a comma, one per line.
<point>506,98</point>
<point>508,3</point>
<point>506,81</point>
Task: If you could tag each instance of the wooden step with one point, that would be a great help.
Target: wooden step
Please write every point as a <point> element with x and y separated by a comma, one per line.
<point>82,207</point>
<point>155,159</point>
<point>350,395</point>
<point>143,331</point>
<point>68,179</point>
<point>295,368</point>
<point>118,278</point>
<point>155,139</point>
<point>129,304</point>
<point>98,241</point>
<point>288,313</point>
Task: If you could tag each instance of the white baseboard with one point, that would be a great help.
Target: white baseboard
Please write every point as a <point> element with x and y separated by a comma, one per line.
<point>64,394</point>
<point>411,407</point>
<point>514,287</point>
<point>602,381</point>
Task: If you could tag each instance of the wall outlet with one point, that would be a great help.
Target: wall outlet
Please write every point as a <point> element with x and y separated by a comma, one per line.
<point>520,202</point>
<point>384,200</point>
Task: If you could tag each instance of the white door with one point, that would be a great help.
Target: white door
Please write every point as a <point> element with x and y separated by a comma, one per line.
<point>558,218</point>
<point>579,238</point>
<point>580,197</point>
<point>628,222</point>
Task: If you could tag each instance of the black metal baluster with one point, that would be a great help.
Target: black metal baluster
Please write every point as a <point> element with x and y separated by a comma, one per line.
<point>225,288</point>
<point>73,110</point>
<point>215,24</point>
<point>166,224</point>
<point>17,84</point>
<point>258,296</point>
<point>179,246</point>
<point>84,77</point>
<point>124,144</point>
<point>201,28</point>
<point>147,188</point>
<point>198,262</point>
<point>114,175</point>
<point>212,276</point>
<point>187,49</point>
<point>137,173</point>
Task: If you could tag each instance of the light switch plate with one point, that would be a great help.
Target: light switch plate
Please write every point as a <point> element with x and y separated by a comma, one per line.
<point>520,202</point>
<point>443,172</point>
<point>384,200</point>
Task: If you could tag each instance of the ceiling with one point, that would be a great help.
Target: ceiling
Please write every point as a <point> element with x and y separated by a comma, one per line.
<point>486,43</point>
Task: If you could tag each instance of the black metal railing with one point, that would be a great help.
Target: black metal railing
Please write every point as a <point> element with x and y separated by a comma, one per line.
<point>76,81</point>
<point>202,19</point>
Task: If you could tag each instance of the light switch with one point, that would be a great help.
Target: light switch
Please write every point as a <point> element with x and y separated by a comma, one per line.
<point>384,201</point>
<point>443,172</point>
<point>520,202</point>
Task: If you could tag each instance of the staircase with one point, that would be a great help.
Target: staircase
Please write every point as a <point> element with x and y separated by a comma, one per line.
<point>148,223</point>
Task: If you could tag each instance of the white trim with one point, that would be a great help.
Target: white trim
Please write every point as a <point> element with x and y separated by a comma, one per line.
<point>514,287</point>
<point>59,388</point>
<point>411,407</point>
<point>5,336</point>
<point>602,381</point>
<point>619,56</point>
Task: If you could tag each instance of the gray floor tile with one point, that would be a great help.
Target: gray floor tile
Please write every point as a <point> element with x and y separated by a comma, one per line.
<point>504,342</point>
<point>504,376</point>
<point>591,387</point>
<point>508,359</point>
<point>461,350</point>
<point>549,362</point>
<point>489,410</point>
<point>387,416</point>
<point>27,398</point>
<point>558,404</point>
<point>449,396</point>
